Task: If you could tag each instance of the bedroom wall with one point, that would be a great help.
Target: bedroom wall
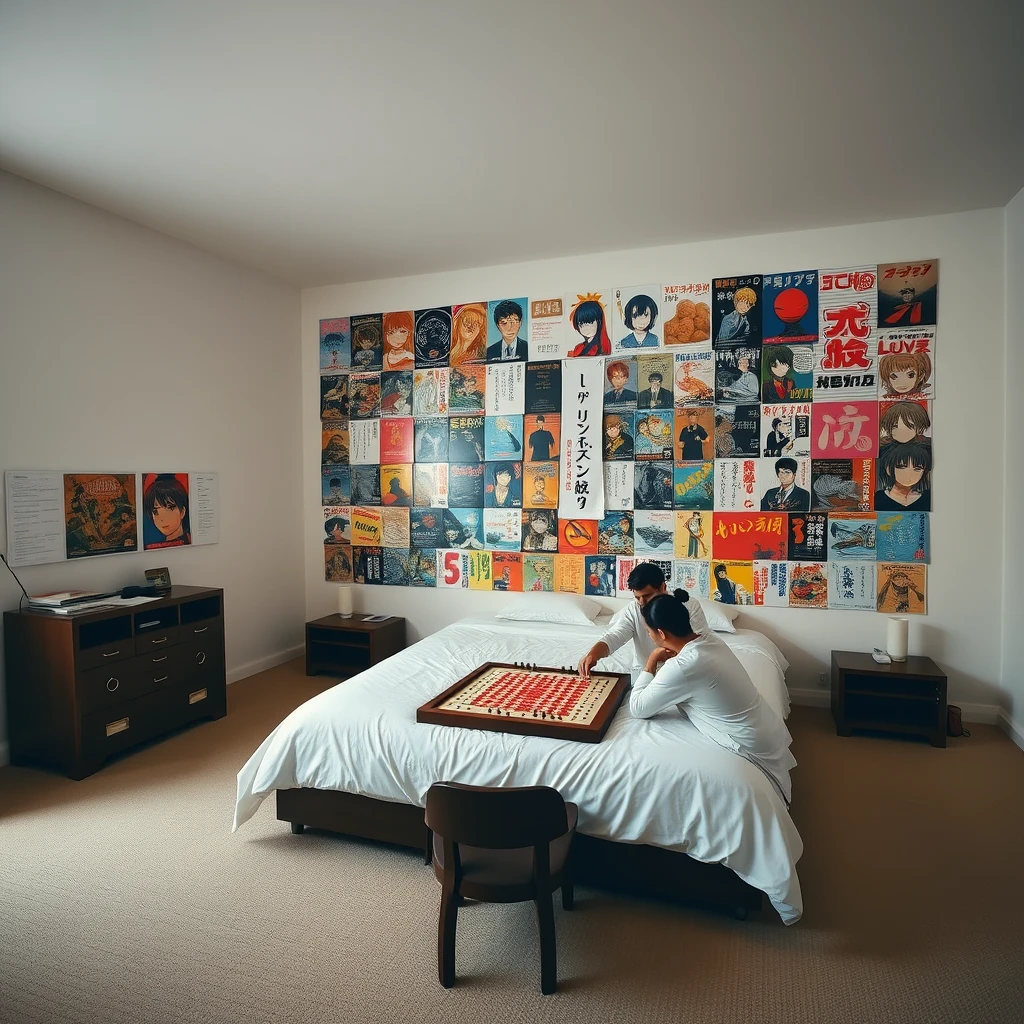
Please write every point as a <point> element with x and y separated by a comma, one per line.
<point>962,630</point>
<point>121,348</point>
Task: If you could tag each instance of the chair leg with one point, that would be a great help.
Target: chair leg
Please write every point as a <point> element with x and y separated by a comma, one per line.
<point>546,926</point>
<point>447,920</point>
<point>568,891</point>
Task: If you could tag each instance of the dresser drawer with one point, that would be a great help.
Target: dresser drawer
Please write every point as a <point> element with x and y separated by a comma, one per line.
<point>121,726</point>
<point>156,639</point>
<point>105,654</point>
<point>186,702</point>
<point>109,685</point>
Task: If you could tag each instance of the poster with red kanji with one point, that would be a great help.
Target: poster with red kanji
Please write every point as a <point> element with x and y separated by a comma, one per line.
<point>746,536</point>
<point>845,429</point>
<point>735,482</point>
<point>908,293</point>
<point>846,364</point>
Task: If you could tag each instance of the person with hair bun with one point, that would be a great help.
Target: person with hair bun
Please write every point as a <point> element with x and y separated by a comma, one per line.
<point>703,678</point>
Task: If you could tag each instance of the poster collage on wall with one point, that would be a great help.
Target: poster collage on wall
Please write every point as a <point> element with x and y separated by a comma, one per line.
<point>766,439</point>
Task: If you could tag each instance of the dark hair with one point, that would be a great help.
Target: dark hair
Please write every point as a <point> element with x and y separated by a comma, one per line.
<point>507,308</point>
<point>540,418</point>
<point>907,453</point>
<point>335,481</point>
<point>168,491</point>
<point>668,612</point>
<point>335,521</point>
<point>645,574</point>
<point>654,375</point>
<point>780,354</point>
<point>637,306</point>
<point>503,467</point>
<point>775,422</point>
<point>786,463</point>
<point>334,338</point>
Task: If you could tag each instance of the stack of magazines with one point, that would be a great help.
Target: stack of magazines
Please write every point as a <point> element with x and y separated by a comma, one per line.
<point>67,602</point>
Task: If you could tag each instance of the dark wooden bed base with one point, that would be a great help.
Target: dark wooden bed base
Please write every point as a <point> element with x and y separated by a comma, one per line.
<point>645,870</point>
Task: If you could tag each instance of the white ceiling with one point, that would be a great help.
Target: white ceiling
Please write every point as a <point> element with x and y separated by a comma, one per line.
<point>344,141</point>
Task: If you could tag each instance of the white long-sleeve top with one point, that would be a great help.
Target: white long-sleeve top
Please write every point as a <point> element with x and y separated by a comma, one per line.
<point>629,624</point>
<point>709,685</point>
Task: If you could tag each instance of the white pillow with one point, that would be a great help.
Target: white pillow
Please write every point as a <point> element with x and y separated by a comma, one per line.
<point>540,607</point>
<point>719,616</point>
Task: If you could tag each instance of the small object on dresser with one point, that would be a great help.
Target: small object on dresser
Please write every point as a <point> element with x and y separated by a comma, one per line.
<point>159,578</point>
<point>880,656</point>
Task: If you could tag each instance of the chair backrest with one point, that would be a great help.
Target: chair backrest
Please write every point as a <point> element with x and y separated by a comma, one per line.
<point>496,818</point>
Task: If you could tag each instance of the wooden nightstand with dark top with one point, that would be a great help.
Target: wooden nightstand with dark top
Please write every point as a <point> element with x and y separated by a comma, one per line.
<point>344,647</point>
<point>902,696</point>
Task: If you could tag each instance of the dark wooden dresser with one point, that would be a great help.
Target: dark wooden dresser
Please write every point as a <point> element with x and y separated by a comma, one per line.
<point>83,687</point>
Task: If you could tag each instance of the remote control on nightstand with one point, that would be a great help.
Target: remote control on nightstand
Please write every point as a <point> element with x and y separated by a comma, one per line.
<point>880,656</point>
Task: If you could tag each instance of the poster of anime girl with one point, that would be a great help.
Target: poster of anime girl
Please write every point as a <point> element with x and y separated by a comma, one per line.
<point>396,393</point>
<point>587,324</point>
<point>906,375</point>
<point>336,485</point>
<point>732,582</point>
<point>852,586</point>
<point>635,317</point>
<point>808,585</point>
<point>338,563</point>
<point>908,341</point>
<point>334,397</point>
<point>693,577</point>
<point>787,373</point>
<point>569,573</point>
<point>335,345</point>
<point>467,385</point>
<point>367,342</point>
<point>903,476</point>
<point>334,442</point>
<point>694,382</point>
<point>508,330</point>
<point>398,341</point>
<point>685,313</point>
<point>736,310</point>
<point>903,537</point>
<point>902,422</point>
<point>902,588</point>
<point>908,293</point>
<point>790,303</point>
<point>538,573</point>
<point>433,337</point>
<point>771,584</point>
<point>165,511</point>
<point>469,333</point>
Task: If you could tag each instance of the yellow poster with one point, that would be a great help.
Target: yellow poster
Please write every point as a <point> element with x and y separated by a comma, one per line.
<point>569,574</point>
<point>480,570</point>
<point>367,527</point>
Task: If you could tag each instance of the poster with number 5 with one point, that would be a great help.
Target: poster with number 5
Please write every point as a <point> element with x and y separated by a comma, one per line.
<point>452,569</point>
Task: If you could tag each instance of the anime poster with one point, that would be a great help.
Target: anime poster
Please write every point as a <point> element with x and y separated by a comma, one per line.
<point>503,437</point>
<point>693,577</point>
<point>852,586</point>
<point>615,534</point>
<point>334,397</point>
<point>808,537</point>
<point>410,567</point>
<point>426,527</point>
<point>480,570</point>
<point>396,486</point>
<point>808,585</point>
<point>786,429</point>
<point>654,377</point>
<point>846,364</point>
<point>364,442</point>
<point>547,333</point>
<point>623,567</point>
<point>337,524</point>
<point>364,396</point>
<point>903,477</point>
<point>771,584</point>
<point>464,528</point>
<point>430,484</point>
<point>851,536</point>
<point>600,576</point>
<point>618,485</point>
<point>508,329</point>
<point>737,375</point>
<point>335,345</point>
<point>685,313</point>
<point>694,377</point>
<point>732,582</point>
<point>845,429</point>
<point>467,387</point>
<point>620,384</point>
<point>577,536</point>
<point>693,485</point>
<point>541,434</point>
<point>635,317</point>
<point>540,530</point>
<point>469,334</point>
<point>503,529</point>
<point>396,440</point>
<point>466,439</point>
<point>735,485</point>
<point>653,485</point>
<point>543,387</point>
<point>165,514</point>
<point>749,536</point>
<point>507,571</point>
<point>581,481</point>
<point>452,572</point>
<point>787,373</point>
<point>694,530</point>
<point>538,573</point>
<point>653,435</point>
<point>618,436</point>
<point>395,527</point>
<point>337,563</point>
<point>396,393</point>
<point>398,338</point>
<point>694,434</point>
<point>908,293</point>
<point>842,485</point>
<point>587,324</point>
<point>430,391</point>
<point>433,339</point>
<point>784,484</point>
<point>655,533</point>
<point>569,574</point>
<point>368,566</point>
<point>503,485</point>
<point>902,422</point>
<point>465,485</point>
<point>902,588</point>
<point>430,439</point>
<point>903,537</point>
<point>334,442</point>
<point>790,304</point>
<point>909,375</point>
<point>366,484</point>
<point>736,310</point>
<point>506,389</point>
<point>336,485</point>
<point>539,484</point>
<point>737,430</point>
<point>367,342</point>
<point>367,526</point>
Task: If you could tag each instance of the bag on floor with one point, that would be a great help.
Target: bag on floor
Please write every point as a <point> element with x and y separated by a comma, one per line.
<point>954,722</point>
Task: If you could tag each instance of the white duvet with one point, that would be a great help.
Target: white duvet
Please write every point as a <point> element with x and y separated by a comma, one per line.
<point>658,781</point>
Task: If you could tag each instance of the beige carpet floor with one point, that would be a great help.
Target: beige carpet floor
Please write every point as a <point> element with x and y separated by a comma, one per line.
<point>125,898</point>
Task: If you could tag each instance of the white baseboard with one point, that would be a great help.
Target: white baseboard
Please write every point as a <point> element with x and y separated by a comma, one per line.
<point>1012,729</point>
<point>811,698</point>
<point>5,754</point>
<point>250,668</point>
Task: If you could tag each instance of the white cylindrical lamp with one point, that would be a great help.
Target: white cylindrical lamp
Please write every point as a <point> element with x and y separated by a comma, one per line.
<point>896,642</point>
<point>345,601</point>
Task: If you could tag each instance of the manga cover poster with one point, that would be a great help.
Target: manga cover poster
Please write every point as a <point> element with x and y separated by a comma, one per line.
<point>851,536</point>
<point>909,375</point>
<point>335,345</point>
<point>787,373</point>
<point>452,572</point>
<point>503,529</point>
<point>635,310</point>
<point>368,566</point>
<point>334,397</point>
<point>467,387</point>
<point>738,375</point>
<point>469,333</point>
<point>845,429</point>
<point>336,485</point>
<point>615,534</point>
<point>693,577</point>
<point>852,586</point>
<point>694,532</point>
<point>410,567</point>
<point>364,396</point>
<point>367,342</point>
<point>541,434</point>
<point>364,442</point>
<point>737,431</point>
<point>786,429</point>
<point>842,485</point>
<point>365,484</point>
<point>587,324</point>
<point>655,533</point>
<point>784,484</point>
<point>654,377</point>
<point>165,513</point>
<point>808,585</point>
<point>618,436</point>
<point>503,437</point>
<point>430,391</point>
<point>507,570</point>
<point>337,524</point>
<point>735,485</point>
<point>398,341</point>
<point>790,307</point>
<point>620,384</point>
<point>693,485</point>
<point>396,440</point>
<point>480,570</point>
<point>430,439</point>
<point>600,576</point>
<point>367,527</point>
<point>471,524</point>
<point>694,434</point>
<point>503,485</point>
<point>430,484</point>
<point>337,563</point>
<point>902,588</point>
<point>547,334</point>
<point>653,485</point>
<point>903,477</point>
<point>686,313</point>
<point>334,442</point>
<point>396,487</point>
<point>506,389</point>
<point>846,355</point>
<point>908,293</point>
<point>508,328</point>
<point>694,377</point>
<point>749,536</point>
<point>538,573</point>
<point>426,527</point>
<point>618,485</point>
<point>771,584</point>
<point>540,530</point>
<point>433,340</point>
<point>466,439</point>
<point>623,567</point>
<point>395,527</point>
<point>903,421</point>
<point>396,393</point>
<point>540,485</point>
<point>465,485</point>
<point>543,387</point>
<point>569,573</point>
<point>808,537</point>
<point>903,537</point>
<point>736,310</point>
<point>653,435</point>
<point>732,582</point>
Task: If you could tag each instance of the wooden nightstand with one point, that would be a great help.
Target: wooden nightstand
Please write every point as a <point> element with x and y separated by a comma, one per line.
<point>904,697</point>
<point>343,647</point>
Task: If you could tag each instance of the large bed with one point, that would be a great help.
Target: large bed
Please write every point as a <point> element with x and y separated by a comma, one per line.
<point>658,802</point>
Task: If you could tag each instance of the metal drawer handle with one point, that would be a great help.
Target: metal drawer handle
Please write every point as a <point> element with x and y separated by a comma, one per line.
<point>162,679</point>
<point>203,630</point>
<point>197,695</point>
<point>156,661</point>
<point>121,725</point>
<point>112,654</point>
<point>115,681</point>
<point>200,658</point>
<point>162,640</point>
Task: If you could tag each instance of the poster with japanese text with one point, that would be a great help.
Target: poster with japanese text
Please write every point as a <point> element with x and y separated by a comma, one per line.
<point>749,536</point>
<point>543,387</point>
<point>540,485</point>
<point>735,483</point>
<point>635,317</point>
<point>396,440</point>
<point>842,485</point>
<point>737,431</point>
<point>908,293</point>
<point>547,334</point>
<point>786,429</point>
<point>790,307</point>
<point>847,362</point>
<point>618,485</point>
<point>100,513</point>
<point>771,583</point>
<point>845,429</point>
<point>808,537</point>
<point>738,375</point>
<point>335,345</point>
<point>736,310</point>
<point>686,313</point>
<point>506,389</point>
<point>368,566</point>
<point>430,439</point>
<point>851,586</point>
<point>426,527</point>
<point>581,490</point>
<point>694,376</point>
<point>851,536</point>
<point>906,365</point>
<point>364,442</point>
<point>480,570</point>
<point>624,565</point>
<point>569,571</point>
<point>693,577</point>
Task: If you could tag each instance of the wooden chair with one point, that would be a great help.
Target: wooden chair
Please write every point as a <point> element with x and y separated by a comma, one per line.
<point>500,845</point>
